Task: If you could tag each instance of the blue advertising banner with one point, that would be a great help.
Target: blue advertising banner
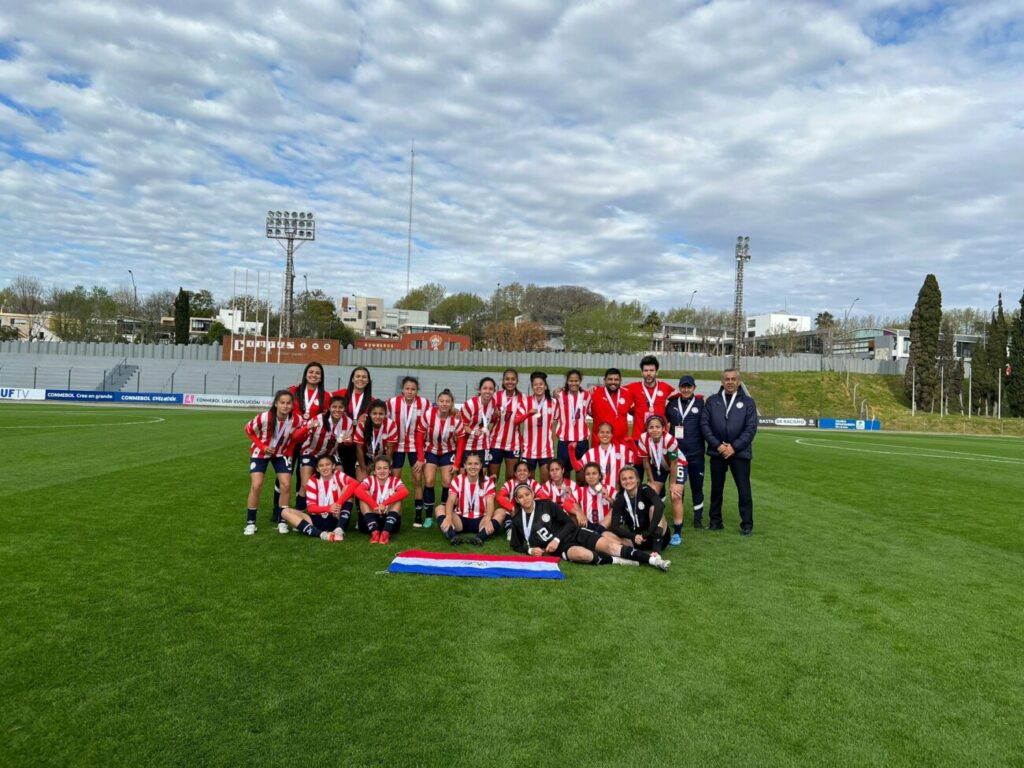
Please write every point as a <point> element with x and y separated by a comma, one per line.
<point>860,425</point>
<point>90,396</point>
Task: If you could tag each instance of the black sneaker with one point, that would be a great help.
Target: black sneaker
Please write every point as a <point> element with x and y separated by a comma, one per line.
<point>746,531</point>
<point>456,540</point>
<point>697,524</point>
<point>716,527</point>
<point>418,521</point>
<point>476,541</point>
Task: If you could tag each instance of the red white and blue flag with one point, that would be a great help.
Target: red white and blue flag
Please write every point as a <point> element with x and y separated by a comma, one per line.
<point>481,566</point>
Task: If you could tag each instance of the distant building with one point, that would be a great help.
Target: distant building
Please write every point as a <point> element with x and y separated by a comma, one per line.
<point>232,320</point>
<point>427,341</point>
<point>395,319</point>
<point>691,339</point>
<point>30,327</point>
<point>775,324</point>
<point>363,314</point>
<point>894,344</point>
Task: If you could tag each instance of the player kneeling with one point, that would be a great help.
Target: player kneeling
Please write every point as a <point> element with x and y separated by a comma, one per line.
<point>542,527</point>
<point>470,506</point>
<point>325,495</point>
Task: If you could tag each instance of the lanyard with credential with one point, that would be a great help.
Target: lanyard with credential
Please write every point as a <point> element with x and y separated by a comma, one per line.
<point>728,405</point>
<point>528,524</point>
<point>629,508</point>
<point>679,407</point>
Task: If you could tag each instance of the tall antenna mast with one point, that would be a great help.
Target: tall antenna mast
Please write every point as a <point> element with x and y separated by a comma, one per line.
<point>408,254</point>
<point>742,256</point>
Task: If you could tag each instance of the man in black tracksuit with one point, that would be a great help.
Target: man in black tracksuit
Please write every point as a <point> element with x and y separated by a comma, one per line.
<point>683,412</point>
<point>729,423</point>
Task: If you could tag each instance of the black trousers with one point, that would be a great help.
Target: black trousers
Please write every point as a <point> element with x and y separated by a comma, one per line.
<point>740,469</point>
<point>695,479</point>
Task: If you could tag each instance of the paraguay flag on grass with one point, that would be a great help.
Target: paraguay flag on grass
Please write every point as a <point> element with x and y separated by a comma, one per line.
<point>482,566</point>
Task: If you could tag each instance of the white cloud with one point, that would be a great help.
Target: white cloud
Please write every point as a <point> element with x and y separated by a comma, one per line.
<point>620,145</point>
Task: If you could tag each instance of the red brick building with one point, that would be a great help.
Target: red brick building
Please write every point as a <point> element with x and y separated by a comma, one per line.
<point>431,341</point>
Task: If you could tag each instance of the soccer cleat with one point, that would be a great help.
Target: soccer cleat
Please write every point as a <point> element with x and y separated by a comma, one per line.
<point>508,534</point>
<point>250,529</point>
<point>375,537</point>
<point>339,531</point>
<point>456,540</point>
<point>385,538</point>
<point>331,536</point>
<point>623,561</point>
<point>658,562</point>
<point>282,527</point>
<point>417,523</point>
<point>676,540</point>
<point>476,541</point>
<point>427,523</point>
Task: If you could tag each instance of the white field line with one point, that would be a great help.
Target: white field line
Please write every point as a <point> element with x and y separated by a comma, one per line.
<point>921,453</point>
<point>154,420</point>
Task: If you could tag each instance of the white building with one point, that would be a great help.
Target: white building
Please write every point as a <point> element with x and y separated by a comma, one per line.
<point>394,319</point>
<point>363,314</point>
<point>29,327</point>
<point>232,320</point>
<point>776,324</point>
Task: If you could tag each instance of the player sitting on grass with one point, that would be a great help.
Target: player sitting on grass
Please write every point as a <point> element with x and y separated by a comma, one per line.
<point>470,507</point>
<point>380,501</point>
<point>541,527</point>
<point>638,514</point>
<point>324,516</point>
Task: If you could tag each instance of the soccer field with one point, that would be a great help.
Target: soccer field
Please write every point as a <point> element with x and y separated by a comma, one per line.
<point>875,617</point>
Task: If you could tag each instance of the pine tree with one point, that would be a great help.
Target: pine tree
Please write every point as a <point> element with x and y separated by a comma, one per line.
<point>981,382</point>
<point>1013,396</point>
<point>998,335</point>
<point>922,373</point>
<point>181,317</point>
<point>945,366</point>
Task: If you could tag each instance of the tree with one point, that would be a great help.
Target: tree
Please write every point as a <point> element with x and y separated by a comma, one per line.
<point>1013,397</point>
<point>507,336</point>
<point>316,317</point>
<point>201,304</point>
<point>423,298</point>
<point>27,295</point>
<point>998,339</point>
<point>72,314</point>
<point>921,379</point>
<point>946,366</point>
<point>216,333</point>
<point>550,305</point>
<point>652,323</point>
<point>459,309</point>
<point>611,328</point>
<point>9,333</point>
<point>181,317</point>
<point>981,383</point>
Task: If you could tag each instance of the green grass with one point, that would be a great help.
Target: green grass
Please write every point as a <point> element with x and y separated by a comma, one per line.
<point>875,617</point>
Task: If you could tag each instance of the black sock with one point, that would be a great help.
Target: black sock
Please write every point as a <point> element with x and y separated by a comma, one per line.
<point>482,534</point>
<point>300,503</point>
<point>309,529</point>
<point>418,506</point>
<point>604,559</point>
<point>634,554</point>
<point>277,495</point>
<point>277,514</point>
<point>508,523</point>
<point>428,498</point>
<point>391,522</point>
<point>250,515</point>
<point>677,528</point>
<point>444,495</point>
<point>451,533</point>
<point>371,522</point>
<point>344,518</point>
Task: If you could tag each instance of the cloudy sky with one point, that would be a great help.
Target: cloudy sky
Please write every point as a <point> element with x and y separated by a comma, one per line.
<point>614,144</point>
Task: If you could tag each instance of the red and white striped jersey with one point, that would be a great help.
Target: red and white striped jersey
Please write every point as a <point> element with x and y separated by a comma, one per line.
<point>469,496</point>
<point>661,454</point>
<point>324,437</point>
<point>572,416</point>
<point>358,404</point>
<point>611,459</point>
<point>275,434</point>
<point>508,408</point>
<point>375,440</point>
<point>310,402</point>
<point>440,435</point>
<point>381,492</point>
<point>595,506</point>
<point>559,493</point>
<point>475,414</point>
<point>321,493</point>
<point>537,439</point>
<point>406,415</point>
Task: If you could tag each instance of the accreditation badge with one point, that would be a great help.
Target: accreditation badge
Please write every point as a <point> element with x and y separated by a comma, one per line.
<point>679,432</point>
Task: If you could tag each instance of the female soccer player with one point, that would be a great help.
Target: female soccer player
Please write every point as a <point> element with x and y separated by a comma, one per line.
<point>607,454</point>
<point>509,405</point>
<point>326,431</point>
<point>573,405</point>
<point>521,474</point>
<point>591,504</point>
<point>638,517</point>
<point>478,417</point>
<point>326,495</point>
<point>374,438</point>
<point>537,420</point>
<point>274,434</point>
<point>404,410</point>
<point>358,397</point>
<point>470,507</point>
<point>310,401</point>
<point>662,461</point>
<point>559,487</point>
<point>380,500</point>
<point>541,527</point>
<point>440,441</point>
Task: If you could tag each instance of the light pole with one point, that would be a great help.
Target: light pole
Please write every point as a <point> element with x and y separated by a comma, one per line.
<point>742,256</point>
<point>690,302</point>
<point>846,314</point>
<point>305,280</point>
<point>497,292</point>
<point>135,300</point>
<point>286,227</point>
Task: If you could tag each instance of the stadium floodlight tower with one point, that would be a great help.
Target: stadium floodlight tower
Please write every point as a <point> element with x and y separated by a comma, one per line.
<point>287,227</point>
<point>742,257</point>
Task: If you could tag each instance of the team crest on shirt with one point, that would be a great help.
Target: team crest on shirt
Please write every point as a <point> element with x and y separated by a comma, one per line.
<point>640,505</point>
<point>739,405</point>
<point>545,518</point>
<point>696,410</point>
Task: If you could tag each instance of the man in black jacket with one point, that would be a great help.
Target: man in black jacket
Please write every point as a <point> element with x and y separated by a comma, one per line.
<point>729,423</point>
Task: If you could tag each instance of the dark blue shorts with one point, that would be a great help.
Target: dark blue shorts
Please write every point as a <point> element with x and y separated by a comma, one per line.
<point>324,522</point>
<point>498,455</point>
<point>595,527</point>
<point>308,460</point>
<point>398,459</point>
<point>659,476</point>
<point>682,475</point>
<point>562,452</point>
<point>282,465</point>
<point>444,460</point>
<point>534,463</point>
<point>471,524</point>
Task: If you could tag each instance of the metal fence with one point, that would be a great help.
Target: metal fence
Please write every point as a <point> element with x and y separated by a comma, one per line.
<point>483,359</point>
